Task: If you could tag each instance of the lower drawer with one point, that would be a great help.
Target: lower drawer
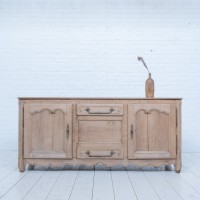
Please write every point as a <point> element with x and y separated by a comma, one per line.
<point>99,150</point>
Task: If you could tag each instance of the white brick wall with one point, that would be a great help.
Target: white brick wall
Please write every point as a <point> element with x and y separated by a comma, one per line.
<point>88,48</point>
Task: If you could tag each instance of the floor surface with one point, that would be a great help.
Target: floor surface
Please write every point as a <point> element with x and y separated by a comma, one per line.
<point>99,183</point>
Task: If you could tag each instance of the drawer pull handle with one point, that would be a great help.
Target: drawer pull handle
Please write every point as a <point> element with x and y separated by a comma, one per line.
<point>109,112</point>
<point>131,131</point>
<point>99,155</point>
<point>67,132</point>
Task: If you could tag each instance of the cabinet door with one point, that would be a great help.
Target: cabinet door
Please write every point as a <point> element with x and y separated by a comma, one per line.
<point>47,130</point>
<point>151,131</point>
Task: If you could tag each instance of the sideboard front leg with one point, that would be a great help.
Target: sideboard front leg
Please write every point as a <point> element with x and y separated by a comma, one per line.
<point>21,165</point>
<point>178,165</point>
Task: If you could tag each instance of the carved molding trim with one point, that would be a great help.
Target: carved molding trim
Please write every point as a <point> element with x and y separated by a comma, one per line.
<point>141,110</point>
<point>47,109</point>
<point>150,110</point>
<point>137,165</point>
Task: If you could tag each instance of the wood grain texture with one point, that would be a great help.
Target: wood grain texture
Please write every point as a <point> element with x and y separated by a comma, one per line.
<point>178,164</point>
<point>152,131</point>
<point>95,98</point>
<point>48,131</point>
<point>106,130</point>
<point>21,164</point>
<point>109,131</point>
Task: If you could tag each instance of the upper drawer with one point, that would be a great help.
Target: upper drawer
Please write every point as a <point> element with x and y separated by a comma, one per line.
<point>99,109</point>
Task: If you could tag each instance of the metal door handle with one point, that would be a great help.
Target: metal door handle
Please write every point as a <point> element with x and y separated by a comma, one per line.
<point>131,131</point>
<point>109,112</point>
<point>67,132</point>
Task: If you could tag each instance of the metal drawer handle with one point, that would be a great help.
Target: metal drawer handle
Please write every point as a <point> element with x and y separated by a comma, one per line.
<point>67,132</point>
<point>98,155</point>
<point>109,112</point>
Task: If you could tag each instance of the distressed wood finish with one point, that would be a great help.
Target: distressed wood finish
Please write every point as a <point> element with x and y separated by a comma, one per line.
<point>47,130</point>
<point>127,131</point>
<point>152,131</point>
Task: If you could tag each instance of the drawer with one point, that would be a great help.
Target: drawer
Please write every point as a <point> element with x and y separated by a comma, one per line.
<point>99,109</point>
<point>100,150</point>
<point>99,129</point>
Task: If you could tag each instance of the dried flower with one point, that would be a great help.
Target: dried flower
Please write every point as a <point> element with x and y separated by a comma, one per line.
<point>141,59</point>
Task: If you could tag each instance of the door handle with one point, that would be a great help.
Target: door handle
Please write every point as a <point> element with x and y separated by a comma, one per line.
<point>67,132</point>
<point>131,131</point>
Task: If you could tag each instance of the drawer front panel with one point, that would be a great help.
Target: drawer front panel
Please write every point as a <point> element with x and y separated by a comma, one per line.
<point>109,130</point>
<point>99,109</point>
<point>101,151</point>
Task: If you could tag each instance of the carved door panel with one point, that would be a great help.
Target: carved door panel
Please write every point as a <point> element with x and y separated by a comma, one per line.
<point>48,131</point>
<point>152,131</point>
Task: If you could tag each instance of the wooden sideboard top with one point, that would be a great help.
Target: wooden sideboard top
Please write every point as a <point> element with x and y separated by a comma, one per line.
<point>97,98</point>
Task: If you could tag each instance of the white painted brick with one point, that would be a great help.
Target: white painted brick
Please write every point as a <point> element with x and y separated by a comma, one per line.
<point>89,48</point>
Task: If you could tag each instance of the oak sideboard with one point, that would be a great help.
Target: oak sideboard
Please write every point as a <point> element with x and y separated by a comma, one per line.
<point>88,131</point>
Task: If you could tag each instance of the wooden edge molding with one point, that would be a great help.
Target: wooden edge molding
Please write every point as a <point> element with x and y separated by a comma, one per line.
<point>98,98</point>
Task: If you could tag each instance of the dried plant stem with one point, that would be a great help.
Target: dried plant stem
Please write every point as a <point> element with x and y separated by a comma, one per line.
<point>141,59</point>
